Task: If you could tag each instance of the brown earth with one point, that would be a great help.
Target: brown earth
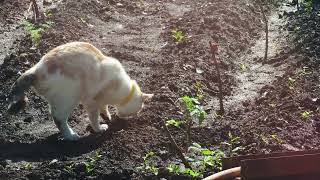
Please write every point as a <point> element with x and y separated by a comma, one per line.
<point>138,33</point>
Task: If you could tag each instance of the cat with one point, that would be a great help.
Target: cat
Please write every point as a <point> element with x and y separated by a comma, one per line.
<point>78,72</point>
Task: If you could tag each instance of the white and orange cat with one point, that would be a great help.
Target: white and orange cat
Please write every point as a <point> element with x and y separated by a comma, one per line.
<point>77,72</point>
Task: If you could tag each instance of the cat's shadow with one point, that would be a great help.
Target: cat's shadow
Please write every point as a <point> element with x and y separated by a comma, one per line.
<point>52,147</point>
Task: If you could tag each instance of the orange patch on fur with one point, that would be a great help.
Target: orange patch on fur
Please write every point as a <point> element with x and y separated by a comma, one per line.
<point>93,49</point>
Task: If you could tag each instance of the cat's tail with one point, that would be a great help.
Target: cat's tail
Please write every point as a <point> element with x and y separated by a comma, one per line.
<point>16,98</point>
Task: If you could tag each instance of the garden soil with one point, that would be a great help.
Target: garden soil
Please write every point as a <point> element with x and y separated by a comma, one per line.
<point>266,103</point>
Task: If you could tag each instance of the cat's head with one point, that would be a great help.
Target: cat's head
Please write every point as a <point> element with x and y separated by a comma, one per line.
<point>133,103</point>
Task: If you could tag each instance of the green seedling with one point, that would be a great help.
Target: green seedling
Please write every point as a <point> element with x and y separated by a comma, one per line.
<point>199,92</point>
<point>69,168</point>
<point>276,138</point>
<point>91,162</point>
<point>48,13</point>
<point>233,145</point>
<point>173,122</point>
<point>305,115</point>
<point>263,138</point>
<point>177,169</point>
<point>177,35</point>
<point>291,83</point>
<point>206,157</point>
<point>304,71</point>
<point>296,29</point>
<point>35,31</point>
<point>28,166</point>
<point>147,166</point>
<point>243,67</point>
<point>193,107</point>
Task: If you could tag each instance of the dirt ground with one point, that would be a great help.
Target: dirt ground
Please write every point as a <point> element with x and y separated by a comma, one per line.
<point>264,101</point>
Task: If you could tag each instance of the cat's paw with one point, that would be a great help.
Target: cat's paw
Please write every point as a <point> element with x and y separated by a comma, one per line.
<point>102,128</point>
<point>71,137</point>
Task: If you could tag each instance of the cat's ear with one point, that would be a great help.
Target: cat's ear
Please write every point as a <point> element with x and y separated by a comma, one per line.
<point>146,97</point>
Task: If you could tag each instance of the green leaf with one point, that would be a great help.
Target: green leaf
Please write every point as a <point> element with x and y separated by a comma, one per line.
<point>173,122</point>
<point>206,152</point>
<point>191,172</point>
<point>202,115</point>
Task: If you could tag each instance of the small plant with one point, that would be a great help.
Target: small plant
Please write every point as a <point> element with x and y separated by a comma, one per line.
<point>173,122</point>
<point>199,92</point>
<point>243,67</point>
<point>263,138</point>
<point>91,162</point>
<point>291,83</point>
<point>200,159</point>
<point>194,108</point>
<point>204,157</point>
<point>304,71</point>
<point>48,13</point>
<point>233,145</point>
<point>69,168</point>
<point>276,138</point>
<point>28,166</point>
<point>177,35</point>
<point>146,166</point>
<point>305,115</point>
<point>178,169</point>
<point>34,31</point>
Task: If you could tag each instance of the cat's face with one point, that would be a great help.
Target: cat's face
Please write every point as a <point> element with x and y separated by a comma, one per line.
<point>135,105</point>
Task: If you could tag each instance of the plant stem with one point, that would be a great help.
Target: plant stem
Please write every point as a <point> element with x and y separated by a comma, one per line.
<point>266,30</point>
<point>189,130</point>
<point>175,145</point>
<point>214,49</point>
<point>35,10</point>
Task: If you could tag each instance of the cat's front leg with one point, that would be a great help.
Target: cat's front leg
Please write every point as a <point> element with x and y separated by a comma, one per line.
<point>104,113</point>
<point>94,120</point>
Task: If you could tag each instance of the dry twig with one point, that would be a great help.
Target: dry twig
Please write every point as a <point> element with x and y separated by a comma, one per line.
<point>214,51</point>
<point>175,145</point>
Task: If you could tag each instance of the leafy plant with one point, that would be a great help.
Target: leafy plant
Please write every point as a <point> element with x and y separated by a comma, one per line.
<point>177,169</point>
<point>200,158</point>
<point>305,115</point>
<point>91,162</point>
<point>177,35</point>
<point>205,157</point>
<point>146,166</point>
<point>193,110</point>
<point>193,107</point>
<point>35,31</point>
<point>233,145</point>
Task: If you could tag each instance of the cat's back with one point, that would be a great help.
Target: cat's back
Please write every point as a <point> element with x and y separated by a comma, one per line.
<point>74,51</point>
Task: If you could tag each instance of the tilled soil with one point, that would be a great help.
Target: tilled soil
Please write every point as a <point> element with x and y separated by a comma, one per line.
<point>138,33</point>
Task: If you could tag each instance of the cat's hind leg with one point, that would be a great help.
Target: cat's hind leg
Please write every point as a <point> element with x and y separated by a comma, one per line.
<point>94,120</point>
<point>60,110</point>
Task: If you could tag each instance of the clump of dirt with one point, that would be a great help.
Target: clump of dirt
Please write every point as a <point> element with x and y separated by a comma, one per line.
<point>139,34</point>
